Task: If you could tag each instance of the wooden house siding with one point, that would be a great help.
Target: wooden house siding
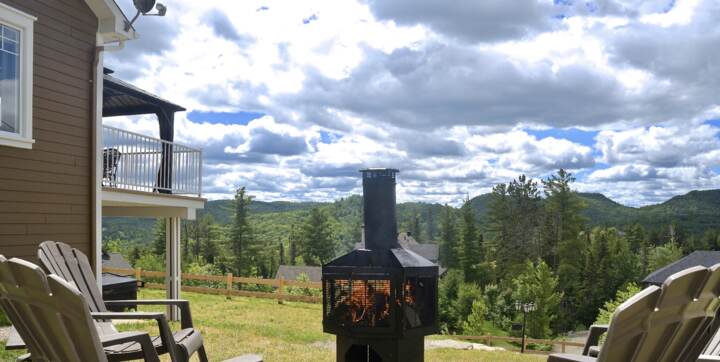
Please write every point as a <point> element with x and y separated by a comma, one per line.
<point>45,192</point>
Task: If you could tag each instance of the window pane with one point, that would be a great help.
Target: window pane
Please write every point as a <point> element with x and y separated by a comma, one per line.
<point>11,33</point>
<point>9,84</point>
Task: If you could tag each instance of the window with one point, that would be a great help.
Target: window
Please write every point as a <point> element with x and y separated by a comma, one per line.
<point>16,44</point>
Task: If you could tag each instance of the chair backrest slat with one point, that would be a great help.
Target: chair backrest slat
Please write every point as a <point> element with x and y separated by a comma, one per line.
<point>73,266</point>
<point>50,314</point>
<point>668,323</point>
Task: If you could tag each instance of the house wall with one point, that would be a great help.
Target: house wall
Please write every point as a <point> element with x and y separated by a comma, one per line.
<point>45,192</point>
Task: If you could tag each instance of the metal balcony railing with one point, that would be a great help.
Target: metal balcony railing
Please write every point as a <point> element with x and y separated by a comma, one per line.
<point>136,162</point>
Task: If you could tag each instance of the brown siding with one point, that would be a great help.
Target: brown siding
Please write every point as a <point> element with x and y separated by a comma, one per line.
<point>45,193</point>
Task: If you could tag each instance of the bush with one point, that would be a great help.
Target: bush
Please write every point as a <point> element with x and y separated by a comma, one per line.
<point>607,310</point>
<point>310,292</point>
<point>475,322</point>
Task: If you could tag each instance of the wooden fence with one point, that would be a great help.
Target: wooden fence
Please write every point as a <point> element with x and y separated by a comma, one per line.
<point>280,294</point>
<point>555,342</point>
<point>229,281</point>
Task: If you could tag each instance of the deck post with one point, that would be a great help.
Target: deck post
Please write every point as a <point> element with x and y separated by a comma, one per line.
<point>172,267</point>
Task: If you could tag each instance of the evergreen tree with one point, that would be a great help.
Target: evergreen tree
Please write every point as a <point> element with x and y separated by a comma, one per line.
<point>448,255</point>
<point>293,244</point>
<point>241,234</point>
<point>159,238</point>
<point>430,224</point>
<point>537,284</point>
<point>281,252</point>
<point>470,256</point>
<point>318,246</point>
<point>514,216</point>
<point>562,248</point>
<point>415,227</point>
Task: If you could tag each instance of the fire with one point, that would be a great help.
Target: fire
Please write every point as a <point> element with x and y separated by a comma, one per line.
<point>367,303</point>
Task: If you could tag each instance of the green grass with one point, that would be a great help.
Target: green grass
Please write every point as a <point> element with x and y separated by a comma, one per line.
<point>279,332</point>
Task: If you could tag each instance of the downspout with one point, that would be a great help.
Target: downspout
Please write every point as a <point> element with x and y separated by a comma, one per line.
<point>96,166</point>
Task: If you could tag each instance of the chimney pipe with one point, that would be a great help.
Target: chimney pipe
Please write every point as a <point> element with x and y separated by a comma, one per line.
<point>379,208</point>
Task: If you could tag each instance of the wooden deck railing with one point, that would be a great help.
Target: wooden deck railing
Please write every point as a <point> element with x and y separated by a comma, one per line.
<point>228,281</point>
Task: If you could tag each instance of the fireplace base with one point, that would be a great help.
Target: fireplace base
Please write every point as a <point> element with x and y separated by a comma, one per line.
<point>406,349</point>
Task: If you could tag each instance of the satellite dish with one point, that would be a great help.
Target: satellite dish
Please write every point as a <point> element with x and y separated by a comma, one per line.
<point>144,6</point>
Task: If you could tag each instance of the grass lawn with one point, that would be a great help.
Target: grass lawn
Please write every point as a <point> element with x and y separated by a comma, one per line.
<point>279,332</point>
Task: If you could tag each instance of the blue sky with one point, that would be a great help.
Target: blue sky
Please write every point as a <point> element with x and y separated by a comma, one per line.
<point>290,98</point>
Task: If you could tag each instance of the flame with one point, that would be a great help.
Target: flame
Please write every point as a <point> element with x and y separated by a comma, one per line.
<point>368,301</point>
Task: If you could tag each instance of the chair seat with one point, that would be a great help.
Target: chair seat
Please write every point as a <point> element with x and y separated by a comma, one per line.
<point>188,339</point>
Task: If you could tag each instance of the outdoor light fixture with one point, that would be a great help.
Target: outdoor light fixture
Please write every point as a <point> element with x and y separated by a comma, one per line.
<point>144,7</point>
<point>525,308</point>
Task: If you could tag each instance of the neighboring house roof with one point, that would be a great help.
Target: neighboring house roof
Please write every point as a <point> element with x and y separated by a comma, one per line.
<point>703,258</point>
<point>115,260</point>
<point>292,272</point>
<point>428,251</point>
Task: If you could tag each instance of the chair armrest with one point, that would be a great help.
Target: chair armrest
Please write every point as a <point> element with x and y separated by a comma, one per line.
<point>566,357</point>
<point>140,337</point>
<point>165,334</point>
<point>708,358</point>
<point>128,315</point>
<point>594,337</point>
<point>184,305</point>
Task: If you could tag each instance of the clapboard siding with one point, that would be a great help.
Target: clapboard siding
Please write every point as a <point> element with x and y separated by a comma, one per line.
<point>45,192</point>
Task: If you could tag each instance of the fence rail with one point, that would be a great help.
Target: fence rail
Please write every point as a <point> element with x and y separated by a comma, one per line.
<point>280,295</point>
<point>229,282</point>
<point>132,161</point>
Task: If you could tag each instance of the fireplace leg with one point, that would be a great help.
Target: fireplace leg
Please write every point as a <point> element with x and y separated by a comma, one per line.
<point>407,349</point>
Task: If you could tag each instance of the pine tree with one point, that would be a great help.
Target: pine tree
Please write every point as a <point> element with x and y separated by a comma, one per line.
<point>415,227</point>
<point>318,246</point>
<point>159,239</point>
<point>430,224</point>
<point>562,248</point>
<point>470,256</point>
<point>537,284</point>
<point>281,252</point>
<point>448,240</point>
<point>241,234</point>
<point>293,240</point>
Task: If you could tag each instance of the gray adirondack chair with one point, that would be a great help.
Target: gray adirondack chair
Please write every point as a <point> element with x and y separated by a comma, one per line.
<point>669,323</point>
<point>72,265</point>
<point>53,317</point>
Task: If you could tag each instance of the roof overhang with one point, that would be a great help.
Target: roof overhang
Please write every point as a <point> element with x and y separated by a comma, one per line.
<point>111,21</point>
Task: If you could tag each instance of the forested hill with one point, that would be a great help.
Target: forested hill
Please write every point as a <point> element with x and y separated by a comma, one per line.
<point>694,212</point>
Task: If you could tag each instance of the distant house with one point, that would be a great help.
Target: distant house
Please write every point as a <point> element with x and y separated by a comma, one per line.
<point>292,272</point>
<point>697,258</point>
<point>427,251</point>
<point>115,261</point>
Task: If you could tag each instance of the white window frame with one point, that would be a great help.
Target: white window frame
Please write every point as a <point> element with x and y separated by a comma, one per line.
<point>24,23</point>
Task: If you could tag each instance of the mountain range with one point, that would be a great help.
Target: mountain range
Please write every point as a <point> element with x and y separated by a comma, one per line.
<point>695,211</point>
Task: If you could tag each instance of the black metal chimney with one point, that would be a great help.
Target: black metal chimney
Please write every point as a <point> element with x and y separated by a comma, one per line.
<point>379,208</point>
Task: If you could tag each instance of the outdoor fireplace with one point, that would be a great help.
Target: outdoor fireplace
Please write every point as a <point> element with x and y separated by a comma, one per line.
<point>382,300</point>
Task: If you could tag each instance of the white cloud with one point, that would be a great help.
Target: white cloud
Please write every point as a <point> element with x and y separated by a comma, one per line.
<point>440,90</point>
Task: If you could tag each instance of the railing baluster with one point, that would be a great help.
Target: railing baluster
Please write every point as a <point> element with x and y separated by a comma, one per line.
<point>140,167</point>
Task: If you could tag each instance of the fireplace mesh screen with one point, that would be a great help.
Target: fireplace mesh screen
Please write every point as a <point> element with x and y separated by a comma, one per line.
<point>358,303</point>
<point>419,297</point>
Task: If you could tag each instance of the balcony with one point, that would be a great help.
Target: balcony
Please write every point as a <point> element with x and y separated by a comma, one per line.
<point>139,163</point>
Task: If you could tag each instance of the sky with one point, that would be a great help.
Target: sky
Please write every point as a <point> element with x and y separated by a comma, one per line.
<point>291,98</point>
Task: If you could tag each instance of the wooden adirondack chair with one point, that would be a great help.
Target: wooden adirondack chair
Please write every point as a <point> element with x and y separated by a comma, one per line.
<point>72,265</point>
<point>671,323</point>
<point>53,317</point>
